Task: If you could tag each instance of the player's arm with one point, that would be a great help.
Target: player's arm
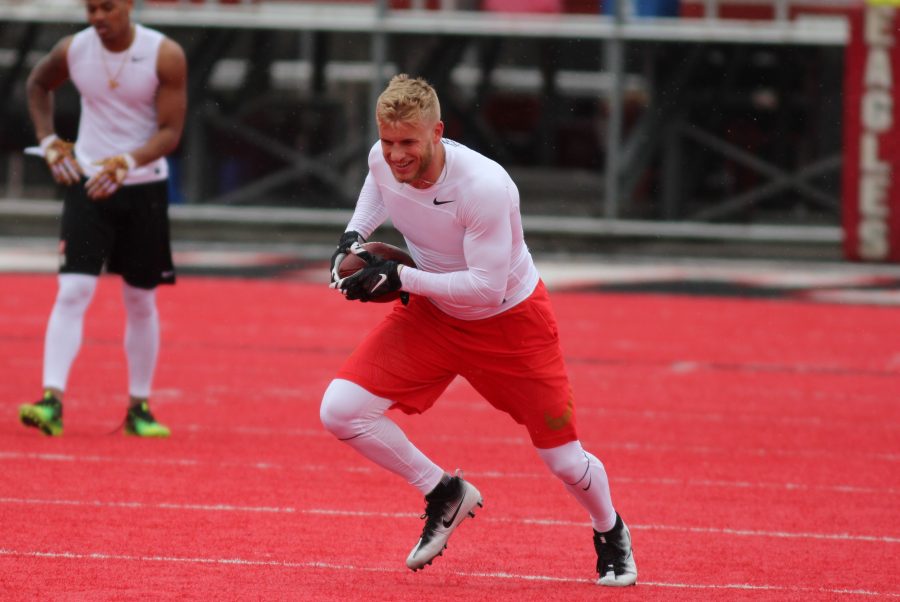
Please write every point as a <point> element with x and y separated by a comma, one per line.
<point>487,247</point>
<point>369,213</point>
<point>49,74</point>
<point>171,107</point>
<point>171,104</point>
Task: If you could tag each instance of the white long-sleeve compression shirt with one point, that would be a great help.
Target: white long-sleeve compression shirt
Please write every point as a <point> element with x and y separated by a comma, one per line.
<point>464,232</point>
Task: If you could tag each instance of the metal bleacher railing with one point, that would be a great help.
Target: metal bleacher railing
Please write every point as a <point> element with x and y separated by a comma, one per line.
<point>639,83</point>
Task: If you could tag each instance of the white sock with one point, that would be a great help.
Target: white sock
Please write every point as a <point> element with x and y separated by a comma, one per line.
<point>141,338</point>
<point>62,340</point>
<point>357,418</point>
<point>585,478</point>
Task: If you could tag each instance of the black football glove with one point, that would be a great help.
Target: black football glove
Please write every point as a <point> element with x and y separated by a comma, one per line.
<point>378,278</point>
<point>347,240</point>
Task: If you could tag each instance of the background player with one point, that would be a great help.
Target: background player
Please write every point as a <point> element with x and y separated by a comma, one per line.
<point>478,309</point>
<point>132,84</point>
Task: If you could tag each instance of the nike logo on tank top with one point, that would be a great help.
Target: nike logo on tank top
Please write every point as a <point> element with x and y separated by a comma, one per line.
<point>118,100</point>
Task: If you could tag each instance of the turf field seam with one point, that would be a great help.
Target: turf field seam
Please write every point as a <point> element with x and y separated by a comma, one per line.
<point>750,367</point>
<point>155,506</point>
<point>630,447</point>
<point>692,417</point>
<point>489,474</point>
<point>674,366</point>
<point>249,562</point>
<point>218,507</point>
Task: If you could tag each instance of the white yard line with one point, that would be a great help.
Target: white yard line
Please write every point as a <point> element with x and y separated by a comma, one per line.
<point>231,508</point>
<point>330,566</point>
<point>11,455</point>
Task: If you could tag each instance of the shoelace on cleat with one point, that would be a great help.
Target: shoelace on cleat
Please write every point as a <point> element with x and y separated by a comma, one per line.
<point>434,512</point>
<point>51,402</point>
<point>432,517</point>
<point>139,412</point>
<point>610,557</point>
<point>134,412</point>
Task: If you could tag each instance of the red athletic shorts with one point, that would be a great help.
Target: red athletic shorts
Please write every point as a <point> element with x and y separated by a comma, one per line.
<point>513,359</point>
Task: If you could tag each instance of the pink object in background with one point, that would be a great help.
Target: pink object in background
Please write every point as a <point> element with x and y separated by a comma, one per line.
<point>523,6</point>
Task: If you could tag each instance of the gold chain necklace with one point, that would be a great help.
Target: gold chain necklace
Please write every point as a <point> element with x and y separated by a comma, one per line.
<point>113,79</point>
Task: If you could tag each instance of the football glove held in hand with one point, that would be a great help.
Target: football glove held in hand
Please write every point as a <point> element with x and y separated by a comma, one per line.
<point>348,239</point>
<point>376,279</point>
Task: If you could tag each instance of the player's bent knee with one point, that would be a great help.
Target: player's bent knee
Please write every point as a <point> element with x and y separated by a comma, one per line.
<point>568,462</point>
<point>572,472</point>
<point>333,419</point>
<point>347,409</point>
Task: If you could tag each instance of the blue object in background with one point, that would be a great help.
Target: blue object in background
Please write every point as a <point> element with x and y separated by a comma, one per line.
<point>644,8</point>
<point>175,195</point>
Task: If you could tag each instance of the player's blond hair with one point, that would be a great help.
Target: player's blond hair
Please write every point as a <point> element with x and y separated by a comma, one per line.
<point>408,100</point>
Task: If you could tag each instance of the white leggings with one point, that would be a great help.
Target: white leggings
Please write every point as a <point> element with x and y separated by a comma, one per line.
<point>358,418</point>
<point>141,338</point>
<point>66,325</point>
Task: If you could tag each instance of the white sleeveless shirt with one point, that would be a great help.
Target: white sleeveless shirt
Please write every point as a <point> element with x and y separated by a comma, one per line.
<point>116,120</point>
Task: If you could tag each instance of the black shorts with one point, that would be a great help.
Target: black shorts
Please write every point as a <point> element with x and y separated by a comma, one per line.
<point>127,232</point>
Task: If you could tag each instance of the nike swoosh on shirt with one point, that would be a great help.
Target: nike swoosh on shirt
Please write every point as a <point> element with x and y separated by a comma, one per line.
<point>437,202</point>
<point>449,523</point>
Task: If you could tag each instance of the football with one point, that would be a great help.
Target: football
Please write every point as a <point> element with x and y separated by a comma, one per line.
<point>352,264</point>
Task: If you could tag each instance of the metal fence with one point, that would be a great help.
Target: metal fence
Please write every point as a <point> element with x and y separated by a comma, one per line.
<point>611,119</point>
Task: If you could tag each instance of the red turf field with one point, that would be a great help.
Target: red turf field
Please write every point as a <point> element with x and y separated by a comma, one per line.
<point>753,446</point>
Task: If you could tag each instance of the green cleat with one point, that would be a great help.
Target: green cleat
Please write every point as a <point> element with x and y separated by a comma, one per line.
<point>45,415</point>
<point>141,423</point>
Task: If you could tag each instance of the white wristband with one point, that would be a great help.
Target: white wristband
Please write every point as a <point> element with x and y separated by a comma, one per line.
<point>47,141</point>
<point>129,160</point>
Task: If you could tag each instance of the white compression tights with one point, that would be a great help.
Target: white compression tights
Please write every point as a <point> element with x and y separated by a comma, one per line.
<point>66,324</point>
<point>141,338</point>
<point>357,418</point>
<point>63,338</point>
<point>585,478</point>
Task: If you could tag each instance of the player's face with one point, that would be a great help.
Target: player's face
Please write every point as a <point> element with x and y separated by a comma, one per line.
<point>409,150</point>
<point>112,21</point>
